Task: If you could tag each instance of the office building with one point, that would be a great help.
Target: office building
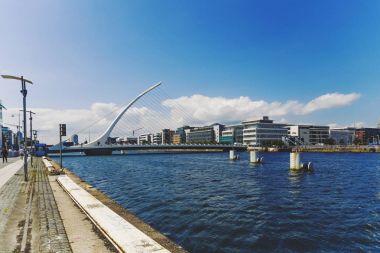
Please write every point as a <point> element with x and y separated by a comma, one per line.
<point>157,138</point>
<point>343,136</point>
<point>367,135</point>
<point>180,135</point>
<point>263,132</point>
<point>200,135</point>
<point>218,129</point>
<point>167,136</point>
<point>309,134</point>
<point>177,139</point>
<point>232,134</point>
<point>146,138</point>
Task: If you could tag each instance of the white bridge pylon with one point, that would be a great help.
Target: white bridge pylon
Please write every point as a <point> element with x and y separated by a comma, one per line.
<point>102,140</point>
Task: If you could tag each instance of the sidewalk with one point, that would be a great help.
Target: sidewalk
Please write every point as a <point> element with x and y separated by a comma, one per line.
<point>33,218</point>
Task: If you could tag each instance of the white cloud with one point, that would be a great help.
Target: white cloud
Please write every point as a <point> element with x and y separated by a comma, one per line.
<point>172,113</point>
<point>330,100</point>
<point>213,109</point>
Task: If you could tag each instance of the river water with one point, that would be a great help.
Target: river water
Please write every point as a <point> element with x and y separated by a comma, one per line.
<point>206,203</point>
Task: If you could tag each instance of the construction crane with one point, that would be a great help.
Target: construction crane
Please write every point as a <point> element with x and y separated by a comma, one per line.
<point>135,130</point>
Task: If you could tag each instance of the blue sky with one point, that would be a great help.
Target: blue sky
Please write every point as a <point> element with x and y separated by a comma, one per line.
<point>82,52</point>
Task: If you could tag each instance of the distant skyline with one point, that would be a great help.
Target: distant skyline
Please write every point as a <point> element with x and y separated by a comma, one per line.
<point>281,58</point>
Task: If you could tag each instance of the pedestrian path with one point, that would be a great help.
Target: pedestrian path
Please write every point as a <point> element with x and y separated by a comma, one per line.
<point>7,170</point>
<point>10,185</point>
<point>52,232</point>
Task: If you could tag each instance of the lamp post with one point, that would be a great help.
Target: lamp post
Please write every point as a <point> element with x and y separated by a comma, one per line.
<point>31,135</point>
<point>24,92</point>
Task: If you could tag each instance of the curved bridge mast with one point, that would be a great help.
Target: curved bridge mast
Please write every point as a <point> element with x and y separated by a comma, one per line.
<point>102,140</point>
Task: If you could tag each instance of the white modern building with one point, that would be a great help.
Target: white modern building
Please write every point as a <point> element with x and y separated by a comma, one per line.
<point>146,138</point>
<point>343,136</point>
<point>218,129</point>
<point>263,132</point>
<point>157,138</point>
<point>309,134</point>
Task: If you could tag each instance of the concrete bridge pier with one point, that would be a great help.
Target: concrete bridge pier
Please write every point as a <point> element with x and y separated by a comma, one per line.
<point>233,155</point>
<point>254,158</point>
<point>295,158</point>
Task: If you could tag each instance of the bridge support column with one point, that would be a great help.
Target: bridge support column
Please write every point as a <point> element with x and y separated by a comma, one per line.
<point>295,163</point>
<point>254,158</point>
<point>233,155</point>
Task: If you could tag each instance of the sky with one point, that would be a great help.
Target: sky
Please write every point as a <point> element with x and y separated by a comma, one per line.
<point>295,61</point>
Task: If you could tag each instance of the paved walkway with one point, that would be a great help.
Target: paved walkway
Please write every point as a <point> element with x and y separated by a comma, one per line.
<point>10,185</point>
<point>29,217</point>
<point>7,170</point>
<point>53,236</point>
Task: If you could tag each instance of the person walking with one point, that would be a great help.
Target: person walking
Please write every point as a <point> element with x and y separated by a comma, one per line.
<point>4,154</point>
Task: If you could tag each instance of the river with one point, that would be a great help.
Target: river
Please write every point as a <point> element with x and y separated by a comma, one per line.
<point>206,203</point>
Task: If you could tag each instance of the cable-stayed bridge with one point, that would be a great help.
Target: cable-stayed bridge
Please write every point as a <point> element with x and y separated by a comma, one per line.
<point>155,113</point>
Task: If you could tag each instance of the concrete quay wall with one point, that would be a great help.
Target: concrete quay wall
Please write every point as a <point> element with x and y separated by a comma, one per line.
<point>125,216</point>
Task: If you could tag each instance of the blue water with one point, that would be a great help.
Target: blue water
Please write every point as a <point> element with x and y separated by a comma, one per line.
<point>206,203</point>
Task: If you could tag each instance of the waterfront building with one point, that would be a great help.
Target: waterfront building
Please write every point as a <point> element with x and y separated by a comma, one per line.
<point>180,134</point>
<point>232,134</point>
<point>263,132</point>
<point>157,138</point>
<point>130,140</point>
<point>177,139</point>
<point>367,135</point>
<point>218,129</point>
<point>309,134</point>
<point>146,138</point>
<point>343,136</point>
<point>200,135</point>
<point>378,125</point>
<point>167,136</point>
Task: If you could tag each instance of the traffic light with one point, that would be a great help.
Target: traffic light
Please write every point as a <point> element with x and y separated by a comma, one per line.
<point>63,129</point>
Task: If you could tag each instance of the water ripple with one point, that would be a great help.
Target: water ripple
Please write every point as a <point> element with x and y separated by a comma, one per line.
<point>208,204</point>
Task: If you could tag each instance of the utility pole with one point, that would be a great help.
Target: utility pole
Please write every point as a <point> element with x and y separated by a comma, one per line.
<point>24,92</point>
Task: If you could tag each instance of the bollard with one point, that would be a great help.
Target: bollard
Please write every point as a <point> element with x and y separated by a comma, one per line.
<point>295,160</point>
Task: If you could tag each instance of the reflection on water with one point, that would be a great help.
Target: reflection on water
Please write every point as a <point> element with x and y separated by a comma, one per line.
<point>207,203</point>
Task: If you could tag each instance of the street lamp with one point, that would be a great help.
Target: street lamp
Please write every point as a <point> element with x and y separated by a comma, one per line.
<point>23,92</point>
<point>31,135</point>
